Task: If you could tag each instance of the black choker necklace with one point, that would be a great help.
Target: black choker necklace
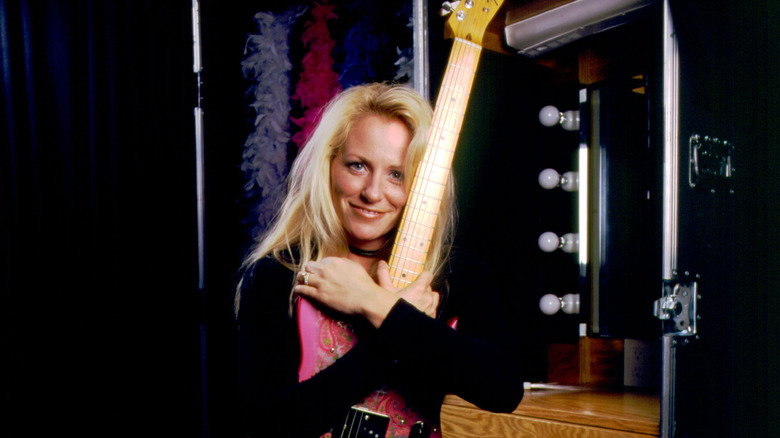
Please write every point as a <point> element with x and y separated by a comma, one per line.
<point>366,253</point>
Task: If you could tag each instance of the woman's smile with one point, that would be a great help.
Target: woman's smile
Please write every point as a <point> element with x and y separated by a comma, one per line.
<point>366,212</point>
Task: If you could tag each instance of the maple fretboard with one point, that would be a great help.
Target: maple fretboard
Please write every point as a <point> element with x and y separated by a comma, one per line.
<point>415,233</point>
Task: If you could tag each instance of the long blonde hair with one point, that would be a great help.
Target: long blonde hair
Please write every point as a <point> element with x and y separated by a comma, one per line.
<point>307,220</point>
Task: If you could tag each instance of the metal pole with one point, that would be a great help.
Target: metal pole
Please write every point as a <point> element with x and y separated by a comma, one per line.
<point>671,91</point>
<point>671,122</point>
<point>421,73</point>
<point>197,68</point>
<point>668,386</point>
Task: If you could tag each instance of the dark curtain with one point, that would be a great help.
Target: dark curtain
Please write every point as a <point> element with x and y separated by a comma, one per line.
<point>98,270</point>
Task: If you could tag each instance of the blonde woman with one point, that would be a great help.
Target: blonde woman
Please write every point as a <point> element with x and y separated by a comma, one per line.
<point>329,245</point>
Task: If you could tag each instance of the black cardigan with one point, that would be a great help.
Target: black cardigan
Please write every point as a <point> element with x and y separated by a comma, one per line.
<point>420,357</point>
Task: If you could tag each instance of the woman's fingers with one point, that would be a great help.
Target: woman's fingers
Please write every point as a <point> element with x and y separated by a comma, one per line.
<point>338,283</point>
<point>383,276</point>
<point>421,295</point>
<point>345,286</point>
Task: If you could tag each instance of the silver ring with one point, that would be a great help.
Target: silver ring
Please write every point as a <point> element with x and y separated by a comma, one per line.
<point>305,278</point>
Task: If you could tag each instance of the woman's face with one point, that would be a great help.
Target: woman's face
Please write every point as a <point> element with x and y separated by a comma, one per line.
<point>367,180</point>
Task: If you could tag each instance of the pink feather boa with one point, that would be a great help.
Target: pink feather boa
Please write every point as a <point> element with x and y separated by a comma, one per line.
<point>318,83</point>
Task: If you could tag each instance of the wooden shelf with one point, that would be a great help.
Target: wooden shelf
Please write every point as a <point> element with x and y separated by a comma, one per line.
<point>558,411</point>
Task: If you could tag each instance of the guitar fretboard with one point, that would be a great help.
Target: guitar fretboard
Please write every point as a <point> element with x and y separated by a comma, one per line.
<point>415,233</point>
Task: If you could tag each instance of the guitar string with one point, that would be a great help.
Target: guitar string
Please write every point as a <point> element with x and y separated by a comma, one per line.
<point>359,416</point>
<point>434,134</point>
<point>351,421</point>
<point>451,91</point>
<point>453,81</point>
<point>438,127</point>
<point>440,121</point>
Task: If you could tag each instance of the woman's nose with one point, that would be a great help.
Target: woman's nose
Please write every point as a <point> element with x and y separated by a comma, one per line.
<point>372,189</point>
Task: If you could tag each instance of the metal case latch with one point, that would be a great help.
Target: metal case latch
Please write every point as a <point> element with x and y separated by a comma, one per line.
<point>677,308</point>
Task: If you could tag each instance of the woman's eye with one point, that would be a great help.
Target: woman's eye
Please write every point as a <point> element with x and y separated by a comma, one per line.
<point>397,175</point>
<point>356,166</point>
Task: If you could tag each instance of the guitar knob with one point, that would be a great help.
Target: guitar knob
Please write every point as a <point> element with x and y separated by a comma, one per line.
<point>420,430</point>
<point>550,304</point>
<point>550,116</point>
<point>550,179</point>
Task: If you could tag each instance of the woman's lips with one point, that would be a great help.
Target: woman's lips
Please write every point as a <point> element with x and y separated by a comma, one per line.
<point>365,212</point>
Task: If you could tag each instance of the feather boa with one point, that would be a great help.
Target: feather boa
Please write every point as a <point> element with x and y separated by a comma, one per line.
<point>405,62</point>
<point>318,83</point>
<point>267,63</point>
<point>373,49</point>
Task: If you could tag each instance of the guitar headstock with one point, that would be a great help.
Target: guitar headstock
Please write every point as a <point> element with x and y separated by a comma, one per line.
<point>468,19</point>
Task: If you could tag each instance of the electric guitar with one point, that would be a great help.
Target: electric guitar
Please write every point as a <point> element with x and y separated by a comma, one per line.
<point>323,339</point>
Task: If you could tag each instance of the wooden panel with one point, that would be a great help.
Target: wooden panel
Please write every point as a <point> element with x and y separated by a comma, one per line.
<point>561,411</point>
<point>591,361</point>
<point>601,361</point>
<point>460,422</point>
<point>563,364</point>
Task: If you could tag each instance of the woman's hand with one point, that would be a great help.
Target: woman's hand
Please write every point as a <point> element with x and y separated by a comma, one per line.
<point>345,286</point>
<point>419,293</point>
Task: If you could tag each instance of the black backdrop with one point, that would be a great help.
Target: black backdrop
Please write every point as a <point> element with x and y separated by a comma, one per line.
<point>100,305</point>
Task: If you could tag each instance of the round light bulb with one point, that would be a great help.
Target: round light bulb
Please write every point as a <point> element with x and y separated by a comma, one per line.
<point>570,120</point>
<point>549,116</point>
<point>550,304</point>
<point>549,179</point>
<point>570,303</point>
<point>570,181</point>
<point>549,241</point>
<point>571,242</point>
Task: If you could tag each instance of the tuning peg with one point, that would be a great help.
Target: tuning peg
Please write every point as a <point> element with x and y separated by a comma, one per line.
<point>550,179</point>
<point>448,7</point>
<point>550,116</point>
<point>551,304</point>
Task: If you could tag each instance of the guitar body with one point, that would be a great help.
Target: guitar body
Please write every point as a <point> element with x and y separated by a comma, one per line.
<point>324,340</point>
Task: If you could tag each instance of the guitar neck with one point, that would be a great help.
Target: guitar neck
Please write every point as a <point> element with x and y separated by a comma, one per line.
<point>415,233</point>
